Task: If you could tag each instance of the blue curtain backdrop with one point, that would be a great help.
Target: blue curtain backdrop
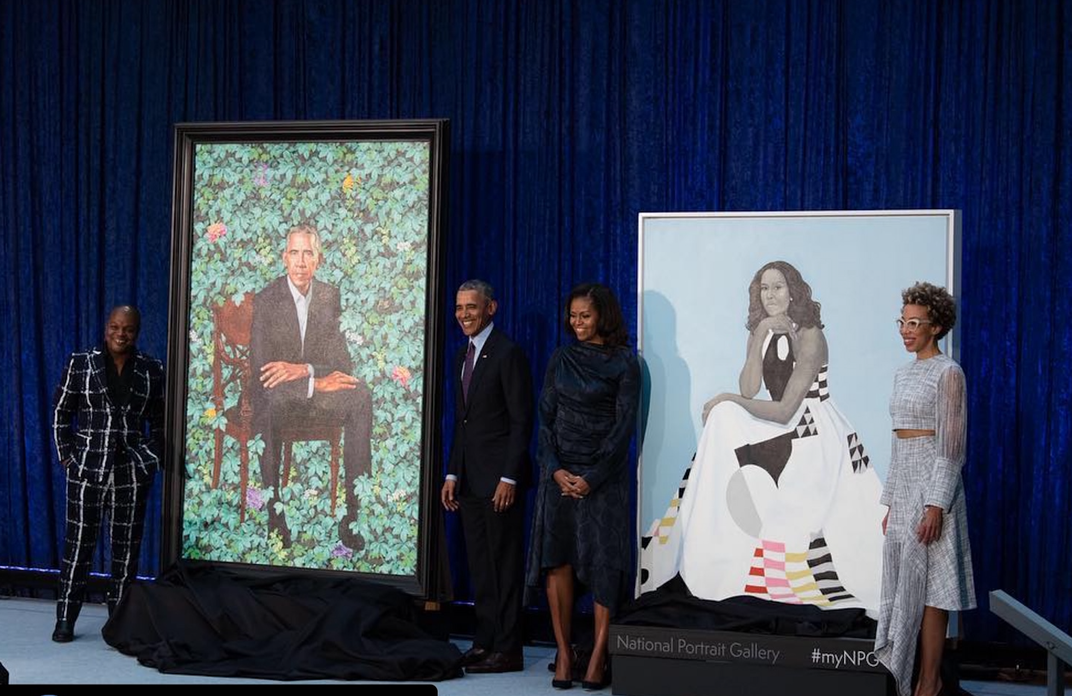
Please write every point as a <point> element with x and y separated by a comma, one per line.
<point>569,117</point>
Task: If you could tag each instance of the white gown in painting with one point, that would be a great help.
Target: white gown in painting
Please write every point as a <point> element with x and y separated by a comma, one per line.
<point>788,513</point>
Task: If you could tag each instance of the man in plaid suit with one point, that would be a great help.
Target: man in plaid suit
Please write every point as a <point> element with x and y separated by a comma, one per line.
<point>106,399</point>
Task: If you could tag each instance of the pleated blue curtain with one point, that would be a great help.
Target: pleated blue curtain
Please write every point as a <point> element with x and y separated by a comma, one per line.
<point>569,117</point>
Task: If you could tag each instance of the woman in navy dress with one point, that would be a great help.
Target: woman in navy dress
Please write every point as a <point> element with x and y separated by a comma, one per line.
<point>581,529</point>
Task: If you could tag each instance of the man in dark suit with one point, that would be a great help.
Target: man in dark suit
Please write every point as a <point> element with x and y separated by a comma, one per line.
<point>489,465</point>
<point>299,357</point>
<point>111,392</point>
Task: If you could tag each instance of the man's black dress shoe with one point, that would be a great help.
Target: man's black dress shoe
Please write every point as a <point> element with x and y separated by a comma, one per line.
<point>497,663</point>
<point>473,655</point>
<point>64,631</point>
<point>352,540</point>
<point>278,523</point>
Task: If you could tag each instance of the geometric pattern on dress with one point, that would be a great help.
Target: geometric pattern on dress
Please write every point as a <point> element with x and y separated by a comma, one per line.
<point>806,425</point>
<point>773,454</point>
<point>802,576</point>
<point>821,563</point>
<point>660,528</point>
<point>645,563</point>
<point>819,388</point>
<point>860,460</point>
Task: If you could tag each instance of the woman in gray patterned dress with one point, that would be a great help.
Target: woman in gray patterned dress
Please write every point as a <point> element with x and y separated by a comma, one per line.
<point>926,556</point>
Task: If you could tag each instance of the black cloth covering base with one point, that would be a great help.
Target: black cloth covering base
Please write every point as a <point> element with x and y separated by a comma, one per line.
<point>208,621</point>
<point>672,605</point>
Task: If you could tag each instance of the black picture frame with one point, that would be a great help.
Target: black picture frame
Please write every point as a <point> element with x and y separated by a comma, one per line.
<point>375,192</point>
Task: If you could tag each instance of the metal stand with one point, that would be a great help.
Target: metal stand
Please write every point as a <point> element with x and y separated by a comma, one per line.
<point>1057,643</point>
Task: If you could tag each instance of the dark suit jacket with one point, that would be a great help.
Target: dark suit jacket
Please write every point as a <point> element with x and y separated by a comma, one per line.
<point>492,431</point>
<point>102,427</point>
<point>275,336</point>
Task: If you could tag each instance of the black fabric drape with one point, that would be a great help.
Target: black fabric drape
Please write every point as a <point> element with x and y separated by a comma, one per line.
<point>673,606</point>
<point>230,624</point>
<point>568,118</point>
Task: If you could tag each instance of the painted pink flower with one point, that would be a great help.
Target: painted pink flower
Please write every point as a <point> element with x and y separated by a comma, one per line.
<point>254,498</point>
<point>215,231</point>
<point>262,178</point>
<point>401,375</point>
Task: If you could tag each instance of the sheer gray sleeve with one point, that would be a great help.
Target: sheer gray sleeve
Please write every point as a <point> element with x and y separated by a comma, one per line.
<point>891,481</point>
<point>951,429</point>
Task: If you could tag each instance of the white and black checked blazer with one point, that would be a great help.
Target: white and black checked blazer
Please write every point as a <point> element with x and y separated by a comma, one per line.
<point>89,429</point>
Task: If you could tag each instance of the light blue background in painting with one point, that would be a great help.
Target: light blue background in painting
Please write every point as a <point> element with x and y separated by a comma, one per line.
<point>694,276</point>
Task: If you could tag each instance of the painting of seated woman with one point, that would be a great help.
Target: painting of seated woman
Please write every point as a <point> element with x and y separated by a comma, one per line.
<point>780,501</point>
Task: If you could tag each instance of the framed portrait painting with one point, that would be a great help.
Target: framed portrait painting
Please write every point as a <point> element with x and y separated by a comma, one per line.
<point>303,334</point>
<point>770,344</point>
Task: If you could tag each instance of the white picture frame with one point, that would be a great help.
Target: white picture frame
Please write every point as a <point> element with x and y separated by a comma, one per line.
<point>694,270</point>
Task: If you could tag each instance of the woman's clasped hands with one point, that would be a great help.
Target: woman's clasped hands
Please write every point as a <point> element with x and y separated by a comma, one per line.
<point>571,485</point>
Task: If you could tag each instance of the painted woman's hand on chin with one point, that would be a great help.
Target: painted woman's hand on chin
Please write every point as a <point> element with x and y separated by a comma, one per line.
<point>779,324</point>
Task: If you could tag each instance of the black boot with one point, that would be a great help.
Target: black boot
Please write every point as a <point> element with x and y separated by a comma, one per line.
<point>349,538</point>
<point>277,522</point>
<point>66,615</point>
<point>64,631</point>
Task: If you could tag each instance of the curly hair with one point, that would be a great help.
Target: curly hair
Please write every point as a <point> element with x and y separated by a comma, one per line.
<point>941,307</point>
<point>610,325</point>
<point>802,308</point>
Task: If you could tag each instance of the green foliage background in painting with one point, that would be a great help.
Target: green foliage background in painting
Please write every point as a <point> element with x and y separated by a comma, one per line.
<point>369,201</point>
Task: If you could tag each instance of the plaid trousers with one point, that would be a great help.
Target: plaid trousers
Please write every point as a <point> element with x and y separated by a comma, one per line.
<point>123,496</point>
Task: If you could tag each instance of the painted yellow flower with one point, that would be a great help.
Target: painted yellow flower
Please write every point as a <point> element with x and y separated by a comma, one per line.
<point>348,182</point>
<point>210,412</point>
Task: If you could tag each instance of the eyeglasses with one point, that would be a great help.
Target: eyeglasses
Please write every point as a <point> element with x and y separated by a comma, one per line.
<point>912,324</point>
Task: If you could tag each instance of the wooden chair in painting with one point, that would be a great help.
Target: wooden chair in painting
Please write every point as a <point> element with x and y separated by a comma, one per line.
<point>231,331</point>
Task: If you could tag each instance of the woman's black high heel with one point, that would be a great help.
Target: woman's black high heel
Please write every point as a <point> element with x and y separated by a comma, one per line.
<point>563,683</point>
<point>604,681</point>
<point>596,686</point>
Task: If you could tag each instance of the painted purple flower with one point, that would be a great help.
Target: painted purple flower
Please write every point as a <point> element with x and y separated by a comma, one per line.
<point>254,498</point>
<point>341,550</point>
<point>262,178</point>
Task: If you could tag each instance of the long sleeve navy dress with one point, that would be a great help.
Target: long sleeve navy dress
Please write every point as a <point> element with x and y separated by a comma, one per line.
<point>588,410</point>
